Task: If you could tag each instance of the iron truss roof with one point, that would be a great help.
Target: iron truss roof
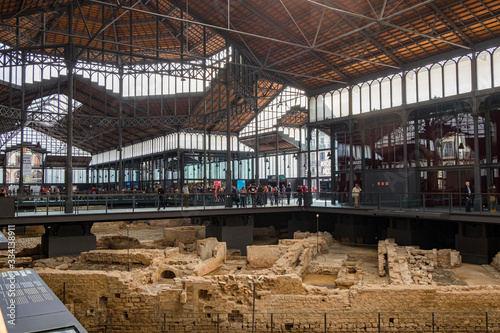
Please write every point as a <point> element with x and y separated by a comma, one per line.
<point>314,45</point>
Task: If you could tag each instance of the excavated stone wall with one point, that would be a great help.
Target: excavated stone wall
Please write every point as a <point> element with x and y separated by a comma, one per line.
<point>174,291</point>
<point>410,265</point>
<point>136,307</point>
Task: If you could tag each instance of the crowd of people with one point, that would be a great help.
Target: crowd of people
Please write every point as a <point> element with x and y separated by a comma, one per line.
<point>252,195</point>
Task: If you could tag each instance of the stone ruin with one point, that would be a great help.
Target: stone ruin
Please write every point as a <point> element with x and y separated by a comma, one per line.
<point>409,265</point>
<point>187,273</point>
<point>290,256</point>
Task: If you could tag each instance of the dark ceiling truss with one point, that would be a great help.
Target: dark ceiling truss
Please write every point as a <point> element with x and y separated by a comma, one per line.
<point>10,112</point>
<point>171,122</point>
<point>278,28</point>
<point>309,45</point>
<point>222,30</point>
<point>141,52</point>
<point>383,20</point>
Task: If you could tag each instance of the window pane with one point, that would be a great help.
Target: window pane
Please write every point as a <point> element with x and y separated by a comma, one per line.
<point>345,102</point>
<point>484,70</point>
<point>464,75</point>
<point>320,107</point>
<point>375,95</point>
<point>423,85</point>
<point>496,67</point>
<point>397,94</point>
<point>365,98</point>
<point>436,81</point>
<point>356,95</point>
<point>411,87</point>
<point>450,78</point>
<point>328,106</point>
<point>312,108</point>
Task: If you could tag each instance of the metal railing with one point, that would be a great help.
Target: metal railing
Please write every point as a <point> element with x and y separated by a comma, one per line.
<point>345,321</point>
<point>131,202</point>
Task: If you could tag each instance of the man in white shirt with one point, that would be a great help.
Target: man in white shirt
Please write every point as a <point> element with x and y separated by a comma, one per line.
<point>355,194</point>
<point>185,192</point>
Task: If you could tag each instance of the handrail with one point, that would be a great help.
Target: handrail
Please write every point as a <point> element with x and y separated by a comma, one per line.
<point>447,202</point>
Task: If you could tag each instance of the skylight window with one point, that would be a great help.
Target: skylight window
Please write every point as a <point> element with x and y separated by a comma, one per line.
<point>49,110</point>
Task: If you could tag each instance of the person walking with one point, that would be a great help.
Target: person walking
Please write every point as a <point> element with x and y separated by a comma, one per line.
<point>493,201</point>
<point>467,196</point>
<point>185,193</point>
<point>235,197</point>
<point>288,193</point>
<point>243,196</point>
<point>355,194</point>
<point>299,196</point>
<point>252,189</point>
<point>161,197</point>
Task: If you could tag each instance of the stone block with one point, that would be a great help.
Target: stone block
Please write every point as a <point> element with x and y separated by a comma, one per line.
<point>205,247</point>
<point>495,262</point>
<point>264,256</point>
<point>136,256</point>
<point>117,242</point>
<point>185,235</point>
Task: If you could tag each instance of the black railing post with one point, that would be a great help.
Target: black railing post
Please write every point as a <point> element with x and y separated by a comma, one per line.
<point>378,324</point>
<point>272,323</point>
<point>110,322</point>
<point>450,203</point>
<point>133,202</point>
<point>218,323</point>
<point>325,321</point>
<point>433,322</point>
<point>106,203</point>
<point>164,322</point>
<point>487,322</point>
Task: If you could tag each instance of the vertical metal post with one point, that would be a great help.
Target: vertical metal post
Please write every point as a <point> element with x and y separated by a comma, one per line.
<point>325,322</point>
<point>110,322</point>
<point>450,203</point>
<point>487,322</point>
<point>64,295</point>
<point>433,322</point>
<point>218,325</point>
<point>253,308</point>
<point>70,63</point>
<point>378,324</point>
<point>272,323</point>
<point>164,322</point>
<point>229,167</point>
<point>317,234</point>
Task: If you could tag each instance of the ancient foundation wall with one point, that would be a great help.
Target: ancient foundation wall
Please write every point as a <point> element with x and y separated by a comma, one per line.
<point>96,298</point>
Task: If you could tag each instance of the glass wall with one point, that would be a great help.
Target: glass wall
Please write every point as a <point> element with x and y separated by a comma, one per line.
<point>443,79</point>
